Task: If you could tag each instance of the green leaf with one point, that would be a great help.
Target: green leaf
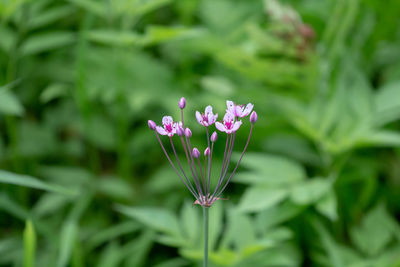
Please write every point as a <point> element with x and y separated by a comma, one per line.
<point>331,111</point>
<point>372,236</point>
<point>387,103</point>
<point>115,187</point>
<point>331,248</point>
<point>100,131</point>
<point>269,169</point>
<point>43,42</point>
<point>70,229</point>
<point>29,181</point>
<point>50,16</point>
<point>216,224</point>
<point>50,203</point>
<point>310,191</point>
<point>276,215</point>
<point>111,37</point>
<point>156,218</point>
<point>328,205</point>
<point>191,222</point>
<point>29,244</point>
<point>111,233</point>
<point>9,103</point>
<point>283,143</point>
<point>218,85</point>
<point>53,91</point>
<point>279,234</point>
<point>380,138</point>
<point>257,198</point>
<point>140,8</point>
<point>137,251</point>
<point>224,15</point>
<point>8,245</point>
<point>12,207</point>
<point>66,174</point>
<point>176,262</point>
<point>161,34</point>
<point>35,140</point>
<point>68,236</point>
<point>110,256</point>
<point>242,231</point>
<point>283,255</point>
<point>94,7</point>
<point>7,38</point>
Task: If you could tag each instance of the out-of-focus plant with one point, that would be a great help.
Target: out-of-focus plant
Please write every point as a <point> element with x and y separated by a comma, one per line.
<point>244,239</point>
<point>79,78</point>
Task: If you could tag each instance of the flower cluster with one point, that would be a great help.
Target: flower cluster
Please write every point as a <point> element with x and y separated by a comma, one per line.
<point>199,182</point>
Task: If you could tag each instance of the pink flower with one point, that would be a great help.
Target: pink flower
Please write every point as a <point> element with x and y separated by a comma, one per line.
<point>179,129</point>
<point>239,111</point>
<point>253,117</point>
<point>152,124</point>
<point>207,152</point>
<point>169,126</point>
<point>182,103</point>
<point>214,137</point>
<point>196,152</point>
<point>229,125</point>
<point>198,183</point>
<point>188,132</point>
<point>207,118</point>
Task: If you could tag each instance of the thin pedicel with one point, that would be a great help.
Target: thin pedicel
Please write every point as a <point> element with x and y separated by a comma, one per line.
<point>199,185</point>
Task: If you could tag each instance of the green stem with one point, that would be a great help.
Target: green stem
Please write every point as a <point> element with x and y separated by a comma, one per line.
<point>205,215</point>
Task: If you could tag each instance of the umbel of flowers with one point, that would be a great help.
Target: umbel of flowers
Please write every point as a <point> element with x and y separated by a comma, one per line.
<point>199,180</point>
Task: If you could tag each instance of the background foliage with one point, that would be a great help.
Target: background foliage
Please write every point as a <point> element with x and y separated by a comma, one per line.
<point>84,183</point>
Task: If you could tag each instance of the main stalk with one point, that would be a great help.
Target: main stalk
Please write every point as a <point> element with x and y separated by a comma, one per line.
<point>205,215</point>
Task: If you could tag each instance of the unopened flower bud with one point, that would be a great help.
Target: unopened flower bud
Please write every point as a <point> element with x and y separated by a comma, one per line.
<point>196,153</point>
<point>207,152</point>
<point>214,137</point>
<point>182,103</point>
<point>180,131</point>
<point>253,117</point>
<point>188,132</point>
<point>152,124</point>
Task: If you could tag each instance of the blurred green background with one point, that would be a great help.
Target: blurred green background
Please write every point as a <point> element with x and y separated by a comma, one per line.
<point>83,181</point>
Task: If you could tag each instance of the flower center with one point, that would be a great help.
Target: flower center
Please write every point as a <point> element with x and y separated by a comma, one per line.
<point>168,127</point>
<point>228,124</point>
<point>205,117</point>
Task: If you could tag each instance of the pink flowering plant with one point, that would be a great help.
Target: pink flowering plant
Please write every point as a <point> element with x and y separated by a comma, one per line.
<point>198,181</point>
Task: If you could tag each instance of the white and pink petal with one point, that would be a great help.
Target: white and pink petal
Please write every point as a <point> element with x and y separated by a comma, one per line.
<point>230,106</point>
<point>208,110</point>
<point>167,120</point>
<point>161,130</point>
<point>247,110</point>
<point>236,126</point>
<point>213,118</point>
<point>199,117</point>
<point>239,111</point>
<point>220,126</point>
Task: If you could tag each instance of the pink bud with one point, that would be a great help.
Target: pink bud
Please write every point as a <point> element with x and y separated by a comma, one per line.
<point>182,103</point>
<point>253,117</point>
<point>180,131</point>
<point>207,152</point>
<point>152,124</point>
<point>188,132</point>
<point>214,137</point>
<point>196,153</point>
